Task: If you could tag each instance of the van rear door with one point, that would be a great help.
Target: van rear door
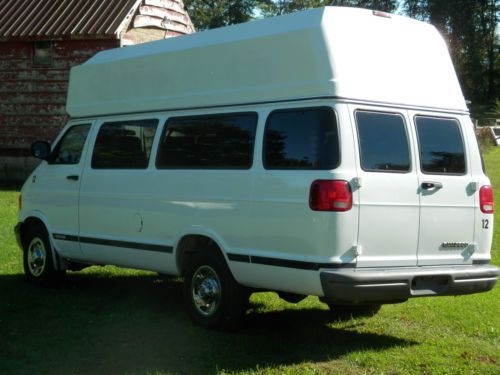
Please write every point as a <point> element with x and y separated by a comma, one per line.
<point>388,192</point>
<point>446,233</point>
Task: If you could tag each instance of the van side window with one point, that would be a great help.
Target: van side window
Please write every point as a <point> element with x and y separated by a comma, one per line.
<point>441,145</point>
<point>301,139</point>
<point>383,142</point>
<point>69,149</point>
<point>222,141</point>
<point>124,144</point>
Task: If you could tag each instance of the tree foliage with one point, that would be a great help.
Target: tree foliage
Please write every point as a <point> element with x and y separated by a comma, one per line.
<point>469,28</point>
<point>384,5</point>
<point>209,14</point>
<point>271,8</point>
<point>278,7</point>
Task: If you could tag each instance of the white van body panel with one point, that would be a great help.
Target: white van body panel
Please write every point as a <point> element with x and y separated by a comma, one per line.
<point>279,205</point>
<point>56,197</point>
<point>389,206</point>
<point>483,223</point>
<point>453,204</point>
<point>244,212</point>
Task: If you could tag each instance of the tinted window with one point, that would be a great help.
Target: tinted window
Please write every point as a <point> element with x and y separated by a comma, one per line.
<point>383,142</point>
<point>441,145</point>
<point>124,145</point>
<point>212,141</point>
<point>69,149</point>
<point>301,139</point>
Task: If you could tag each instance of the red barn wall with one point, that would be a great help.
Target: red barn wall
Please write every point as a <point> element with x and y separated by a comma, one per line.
<point>32,99</point>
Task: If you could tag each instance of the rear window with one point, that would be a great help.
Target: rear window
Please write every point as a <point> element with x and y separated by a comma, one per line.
<point>383,142</point>
<point>441,145</point>
<point>222,141</point>
<point>301,139</point>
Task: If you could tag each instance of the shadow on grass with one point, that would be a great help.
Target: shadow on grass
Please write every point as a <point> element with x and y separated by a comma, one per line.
<point>97,324</point>
<point>10,187</point>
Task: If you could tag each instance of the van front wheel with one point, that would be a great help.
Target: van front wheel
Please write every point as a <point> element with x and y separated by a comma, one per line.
<point>37,257</point>
<point>213,298</point>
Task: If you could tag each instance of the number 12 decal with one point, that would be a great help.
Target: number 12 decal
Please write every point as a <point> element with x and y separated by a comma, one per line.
<point>486,223</point>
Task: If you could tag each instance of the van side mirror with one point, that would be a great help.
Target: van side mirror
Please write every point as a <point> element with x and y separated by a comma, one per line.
<point>41,150</point>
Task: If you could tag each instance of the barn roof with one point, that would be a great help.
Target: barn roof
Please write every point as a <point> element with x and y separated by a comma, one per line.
<point>79,19</point>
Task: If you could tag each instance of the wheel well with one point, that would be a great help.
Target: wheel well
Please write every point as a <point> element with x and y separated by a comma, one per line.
<point>192,243</point>
<point>30,222</point>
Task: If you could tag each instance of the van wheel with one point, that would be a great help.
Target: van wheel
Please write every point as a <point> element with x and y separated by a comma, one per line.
<point>345,312</point>
<point>37,257</point>
<point>213,297</point>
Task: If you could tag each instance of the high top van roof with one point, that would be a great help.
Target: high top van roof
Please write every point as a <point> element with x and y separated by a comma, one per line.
<point>326,52</point>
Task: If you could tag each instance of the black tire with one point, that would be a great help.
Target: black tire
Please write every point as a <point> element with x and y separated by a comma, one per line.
<point>37,257</point>
<point>212,296</point>
<point>345,312</point>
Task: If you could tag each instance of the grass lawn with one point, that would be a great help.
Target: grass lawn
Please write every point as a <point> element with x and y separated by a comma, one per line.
<point>115,321</point>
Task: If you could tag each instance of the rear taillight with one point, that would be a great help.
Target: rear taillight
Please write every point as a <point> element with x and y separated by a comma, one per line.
<point>330,195</point>
<point>486,199</point>
<point>20,201</point>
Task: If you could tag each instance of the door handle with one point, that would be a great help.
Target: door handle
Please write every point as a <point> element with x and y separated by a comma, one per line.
<point>430,185</point>
<point>73,177</point>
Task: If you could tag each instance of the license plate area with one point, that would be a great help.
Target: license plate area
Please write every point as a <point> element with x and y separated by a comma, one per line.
<point>429,285</point>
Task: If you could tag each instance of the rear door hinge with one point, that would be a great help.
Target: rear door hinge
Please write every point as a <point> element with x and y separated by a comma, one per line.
<point>473,186</point>
<point>356,182</point>
<point>357,250</point>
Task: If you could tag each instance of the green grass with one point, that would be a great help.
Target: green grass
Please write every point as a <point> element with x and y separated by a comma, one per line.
<point>115,321</point>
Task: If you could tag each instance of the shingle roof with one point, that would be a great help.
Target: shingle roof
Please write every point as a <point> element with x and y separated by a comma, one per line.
<point>63,19</point>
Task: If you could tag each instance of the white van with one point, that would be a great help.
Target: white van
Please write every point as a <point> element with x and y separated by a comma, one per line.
<point>328,153</point>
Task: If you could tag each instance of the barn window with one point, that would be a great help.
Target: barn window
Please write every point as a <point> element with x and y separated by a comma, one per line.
<point>42,53</point>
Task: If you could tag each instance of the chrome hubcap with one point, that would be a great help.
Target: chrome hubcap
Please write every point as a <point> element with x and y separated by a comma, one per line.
<point>37,257</point>
<point>206,290</point>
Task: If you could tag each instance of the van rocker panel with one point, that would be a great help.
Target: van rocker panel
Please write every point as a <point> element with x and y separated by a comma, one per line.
<point>384,285</point>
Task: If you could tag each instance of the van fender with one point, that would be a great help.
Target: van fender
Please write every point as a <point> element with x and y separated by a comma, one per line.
<point>199,230</point>
<point>39,215</point>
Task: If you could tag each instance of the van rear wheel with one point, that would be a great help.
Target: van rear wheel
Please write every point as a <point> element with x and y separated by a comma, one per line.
<point>37,257</point>
<point>213,297</point>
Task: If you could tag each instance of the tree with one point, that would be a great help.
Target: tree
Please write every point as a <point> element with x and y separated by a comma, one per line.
<point>278,7</point>
<point>384,5</point>
<point>469,27</point>
<point>209,14</point>
<point>271,8</point>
